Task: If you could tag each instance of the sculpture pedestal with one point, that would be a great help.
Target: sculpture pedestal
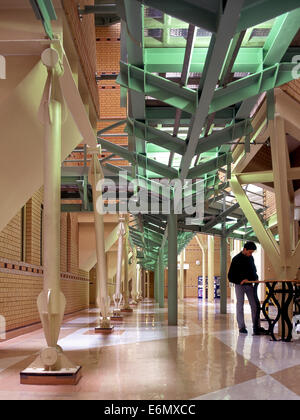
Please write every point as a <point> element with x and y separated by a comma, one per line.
<point>116,318</point>
<point>127,310</point>
<point>103,330</point>
<point>69,376</point>
<point>51,367</point>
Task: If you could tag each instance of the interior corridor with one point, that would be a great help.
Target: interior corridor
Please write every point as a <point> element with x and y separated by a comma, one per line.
<point>205,357</point>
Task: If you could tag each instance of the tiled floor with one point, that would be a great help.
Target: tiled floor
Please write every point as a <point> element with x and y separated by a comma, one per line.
<point>204,358</point>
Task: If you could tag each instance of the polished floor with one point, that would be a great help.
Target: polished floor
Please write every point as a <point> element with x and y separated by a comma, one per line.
<point>204,358</point>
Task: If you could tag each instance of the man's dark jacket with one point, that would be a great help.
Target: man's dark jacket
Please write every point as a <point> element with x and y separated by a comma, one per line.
<point>242,267</point>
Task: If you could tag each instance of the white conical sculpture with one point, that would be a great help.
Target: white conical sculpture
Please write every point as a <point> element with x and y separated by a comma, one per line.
<point>102,298</point>
<point>138,281</point>
<point>51,301</point>
<point>134,292</point>
<point>126,307</point>
<point>118,297</point>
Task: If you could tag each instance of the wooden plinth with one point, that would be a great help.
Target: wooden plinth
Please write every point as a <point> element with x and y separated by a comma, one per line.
<point>40,377</point>
<point>127,310</point>
<point>99,330</point>
<point>116,318</point>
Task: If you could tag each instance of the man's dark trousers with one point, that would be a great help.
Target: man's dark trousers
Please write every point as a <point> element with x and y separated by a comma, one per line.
<point>250,292</point>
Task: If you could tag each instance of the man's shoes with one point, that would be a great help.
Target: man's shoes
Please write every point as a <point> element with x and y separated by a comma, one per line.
<point>243,331</point>
<point>260,331</point>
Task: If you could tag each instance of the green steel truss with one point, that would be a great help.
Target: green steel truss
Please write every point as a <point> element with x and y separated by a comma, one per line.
<point>190,99</point>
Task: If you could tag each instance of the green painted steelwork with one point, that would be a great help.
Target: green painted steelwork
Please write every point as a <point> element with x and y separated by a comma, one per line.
<point>253,12</point>
<point>44,10</point>
<point>186,99</point>
<point>229,73</point>
<point>160,60</point>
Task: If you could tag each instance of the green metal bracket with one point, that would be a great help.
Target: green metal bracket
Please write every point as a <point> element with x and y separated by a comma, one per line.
<point>271,105</point>
<point>207,167</point>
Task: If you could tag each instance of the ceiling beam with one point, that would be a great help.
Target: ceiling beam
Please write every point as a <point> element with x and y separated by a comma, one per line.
<point>197,14</point>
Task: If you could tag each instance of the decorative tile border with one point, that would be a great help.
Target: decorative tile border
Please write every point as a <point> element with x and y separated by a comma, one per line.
<point>22,268</point>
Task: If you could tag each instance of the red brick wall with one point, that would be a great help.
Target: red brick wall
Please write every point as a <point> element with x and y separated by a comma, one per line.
<point>192,254</point>
<point>33,228</point>
<point>293,89</point>
<point>21,282</point>
<point>270,202</point>
<point>10,239</point>
<point>83,32</point>
<point>72,247</point>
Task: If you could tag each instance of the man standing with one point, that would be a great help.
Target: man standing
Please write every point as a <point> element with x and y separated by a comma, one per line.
<point>242,271</point>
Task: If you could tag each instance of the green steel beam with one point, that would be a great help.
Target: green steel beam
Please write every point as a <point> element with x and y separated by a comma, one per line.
<point>154,221</point>
<point>153,229</point>
<point>44,11</point>
<point>186,99</point>
<point>255,12</point>
<point>175,144</point>
<point>275,50</point>
<point>163,60</point>
<point>111,127</point>
<point>206,17</point>
<point>158,137</point>
<point>280,37</point>
<point>70,208</point>
<point>208,166</point>
<point>216,56</point>
<point>196,14</point>
<point>166,115</point>
<point>151,185</point>
<point>135,55</point>
<point>227,135</point>
<point>252,85</point>
<point>221,217</point>
<point>139,159</point>
<point>231,59</point>
<point>157,87</point>
<point>145,237</point>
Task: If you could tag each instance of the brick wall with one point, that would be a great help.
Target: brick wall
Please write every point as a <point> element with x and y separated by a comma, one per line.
<point>10,239</point>
<point>33,228</point>
<point>64,242</point>
<point>108,61</point>
<point>83,32</point>
<point>18,296</point>
<point>72,247</point>
<point>192,254</point>
<point>22,281</point>
<point>19,293</point>
<point>110,103</point>
<point>293,89</point>
<point>269,201</point>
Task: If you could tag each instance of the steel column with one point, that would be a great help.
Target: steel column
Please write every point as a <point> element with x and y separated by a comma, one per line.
<point>172,269</point>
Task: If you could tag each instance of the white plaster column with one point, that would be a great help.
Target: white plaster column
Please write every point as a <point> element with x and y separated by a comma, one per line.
<point>102,298</point>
